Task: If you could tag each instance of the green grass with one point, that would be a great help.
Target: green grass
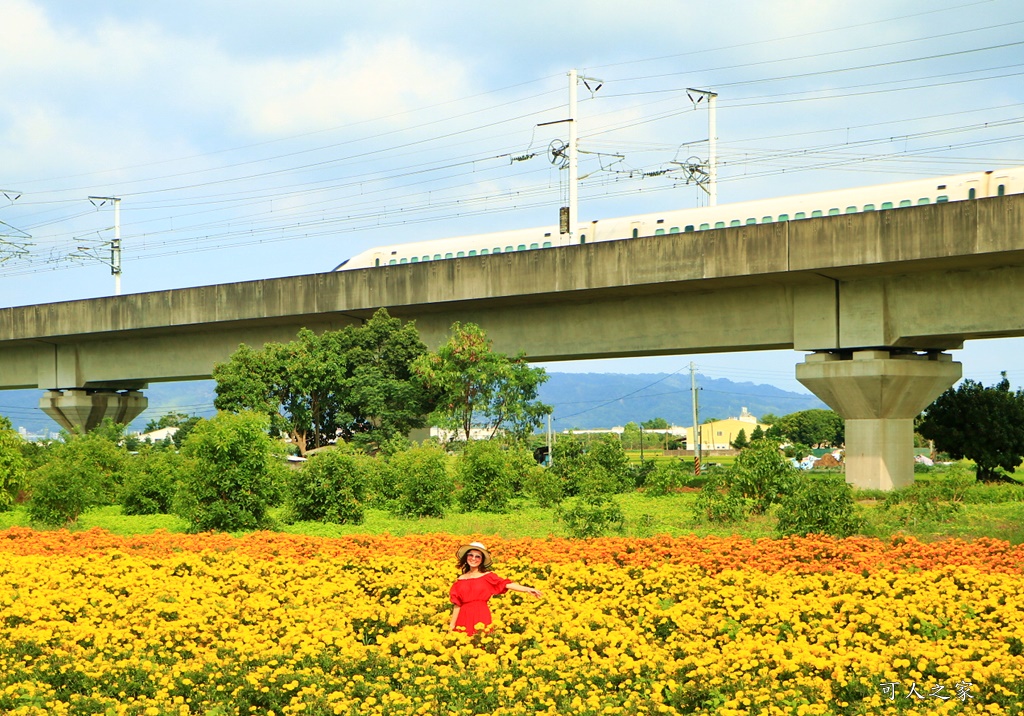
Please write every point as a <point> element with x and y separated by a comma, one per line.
<point>645,517</point>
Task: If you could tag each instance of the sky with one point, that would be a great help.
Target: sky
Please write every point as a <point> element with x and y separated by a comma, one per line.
<point>257,140</point>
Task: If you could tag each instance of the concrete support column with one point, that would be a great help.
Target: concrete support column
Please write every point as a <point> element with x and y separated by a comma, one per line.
<point>83,410</point>
<point>878,393</point>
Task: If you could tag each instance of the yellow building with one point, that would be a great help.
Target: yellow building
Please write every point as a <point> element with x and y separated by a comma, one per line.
<point>720,434</point>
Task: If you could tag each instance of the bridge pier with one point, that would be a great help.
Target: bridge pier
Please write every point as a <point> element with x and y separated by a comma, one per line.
<point>878,393</point>
<point>82,410</point>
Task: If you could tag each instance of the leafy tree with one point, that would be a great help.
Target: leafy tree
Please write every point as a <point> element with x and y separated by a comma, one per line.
<point>631,435</point>
<point>233,476</point>
<point>472,385</point>
<point>982,424</point>
<point>357,381</point>
<point>769,419</point>
<point>741,440</point>
<point>167,420</point>
<point>756,434</point>
<point>13,464</point>
<point>655,424</point>
<point>608,455</point>
<point>809,427</point>
<point>762,474</point>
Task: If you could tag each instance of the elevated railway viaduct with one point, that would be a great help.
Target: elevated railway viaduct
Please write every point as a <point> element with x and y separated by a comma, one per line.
<point>876,299</point>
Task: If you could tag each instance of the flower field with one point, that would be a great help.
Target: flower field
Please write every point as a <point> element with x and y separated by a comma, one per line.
<point>91,623</point>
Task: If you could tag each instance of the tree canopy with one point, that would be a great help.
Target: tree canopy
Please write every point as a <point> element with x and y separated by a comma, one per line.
<point>982,424</point>
<point>472,385</point>
<point>809,427</point>
<point>354,383</point>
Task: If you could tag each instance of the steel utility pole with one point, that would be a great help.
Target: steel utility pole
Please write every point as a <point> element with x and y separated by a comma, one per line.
<point>115,245</point>
<point>696,425</point>
<point>574,159</point>
<point>712,187</point>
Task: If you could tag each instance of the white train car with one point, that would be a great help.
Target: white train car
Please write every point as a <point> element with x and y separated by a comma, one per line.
<point>883,197</point>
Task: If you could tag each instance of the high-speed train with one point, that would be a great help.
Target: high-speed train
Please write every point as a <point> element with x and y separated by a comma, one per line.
<point>882,197</point>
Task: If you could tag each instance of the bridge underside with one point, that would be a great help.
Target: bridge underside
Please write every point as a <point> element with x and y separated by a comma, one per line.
<point>875,298</point>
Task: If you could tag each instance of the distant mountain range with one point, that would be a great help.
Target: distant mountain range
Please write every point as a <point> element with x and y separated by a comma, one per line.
<point>581,400</point>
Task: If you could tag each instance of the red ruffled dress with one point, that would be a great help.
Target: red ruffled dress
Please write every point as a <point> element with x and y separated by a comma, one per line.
<point>471,596</point>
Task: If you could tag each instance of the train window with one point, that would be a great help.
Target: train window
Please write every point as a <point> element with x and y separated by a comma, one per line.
<point>767,219</point>
<point>659,232</point>
<point>547,244</point>
<point>392,262</point>
<point>437,257</point>
<point>376,262</point>
<point>705,227</point>
<point>472,252</point>
<point>751,221</point>
<point>1001,191</point>
<point>783,217</point>
<point>816,213</point>
<point>674,230</point>
<point>521,247</point>
<point>904,203</point>
<point>688,229</point>
<point>886,205</point>
<point>799,215</point>
<point>851,210</point>
<point>403,261</point>
<point>449,255</point>
<point>833,211</point>
<point>972,193</point>
<point>941,199</point>
<point>719,224</point>
<point>869,207</point>
<point>636,233</point>
<point>734,222</point>
<point>923,200</point>
<point>461,255</point>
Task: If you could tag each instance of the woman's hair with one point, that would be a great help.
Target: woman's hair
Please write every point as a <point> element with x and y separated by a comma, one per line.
<point>464,563</point>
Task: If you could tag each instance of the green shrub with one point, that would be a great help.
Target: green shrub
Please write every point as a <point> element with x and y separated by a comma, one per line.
<point>83,471</point>
<point>607,453</point>
<point>668,477</point>
<point>718,503</point>
<point>422,483</point>
<point>762,474</point>
<point>592,515</point>
<point>640,473</point>
<point>487,477</point>
<point>13,465</point>
<point>936,499</point>
<point>150,485</point>
<point>330,487</point>
<point>567,463</point>
<point>820,504</point>
<point>233,476</point>
<point>544,486</point>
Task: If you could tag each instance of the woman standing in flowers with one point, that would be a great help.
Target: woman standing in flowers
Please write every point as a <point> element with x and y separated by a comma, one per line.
<point>475,586</point>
